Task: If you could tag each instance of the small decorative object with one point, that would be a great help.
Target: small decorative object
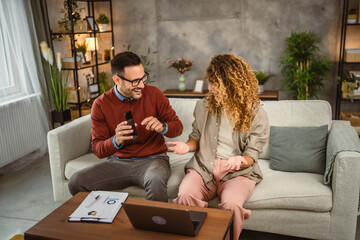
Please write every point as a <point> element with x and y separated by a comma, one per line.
<point>93,90</point>
<point>57,87</point>
<point>352,16</point>
<point>262,79</point>
<point>69,63</point>
<point>199,86</point>
<point>107,56</point>
<point>89,81</point>
<point>92,24</point>
<point>103,21</point>
<point>182,65</point>
<point>350,85</point>
<point>81,56</point>
<point>92,45</point>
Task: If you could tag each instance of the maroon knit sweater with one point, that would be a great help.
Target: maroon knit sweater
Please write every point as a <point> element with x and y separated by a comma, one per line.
<point>108,111</point>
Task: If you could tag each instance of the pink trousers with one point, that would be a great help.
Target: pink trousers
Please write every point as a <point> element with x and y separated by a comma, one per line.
<point>233,193</point>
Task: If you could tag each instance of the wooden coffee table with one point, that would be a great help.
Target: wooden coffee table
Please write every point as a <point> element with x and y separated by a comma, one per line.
<point>56,226</point>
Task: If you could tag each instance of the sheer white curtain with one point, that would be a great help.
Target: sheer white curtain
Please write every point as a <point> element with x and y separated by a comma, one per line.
<point>16,53</point>
<point>19,83</point>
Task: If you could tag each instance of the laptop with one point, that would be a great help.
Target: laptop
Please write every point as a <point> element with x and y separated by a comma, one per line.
<point>163,219</point>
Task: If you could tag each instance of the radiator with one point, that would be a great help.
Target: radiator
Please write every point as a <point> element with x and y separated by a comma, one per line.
<point>22,128</point>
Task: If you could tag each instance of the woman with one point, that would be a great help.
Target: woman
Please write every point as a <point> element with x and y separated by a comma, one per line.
<point>229,132</point>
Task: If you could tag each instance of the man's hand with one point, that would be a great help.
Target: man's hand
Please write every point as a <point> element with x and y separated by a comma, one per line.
<point>236,162</point>
<point>153,124</point>
<point>122,131</point>
<point>179,147</point>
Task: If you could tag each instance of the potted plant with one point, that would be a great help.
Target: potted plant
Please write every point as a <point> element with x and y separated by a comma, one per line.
<point>59,94</point>
<point>65,23</point>
<point>303,69</point>
<point>81,47</point>
<point>107,55</point>
<point>262,78</point>
<point>352,16</point>
<point>103,21</point>
<point>350,83</point>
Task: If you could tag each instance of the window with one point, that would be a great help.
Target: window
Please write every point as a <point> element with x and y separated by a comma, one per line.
<point>17,63</point>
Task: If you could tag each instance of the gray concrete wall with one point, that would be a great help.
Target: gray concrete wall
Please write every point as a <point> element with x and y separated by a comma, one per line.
<point>255,30</point>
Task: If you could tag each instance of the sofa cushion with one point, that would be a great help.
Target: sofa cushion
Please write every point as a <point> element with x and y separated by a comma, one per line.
<point>298,149</point>
<point>296,113</point>
<point>177,163</point>
<point>79,163</point>
<point>288,190</point>
<point>185,108</point>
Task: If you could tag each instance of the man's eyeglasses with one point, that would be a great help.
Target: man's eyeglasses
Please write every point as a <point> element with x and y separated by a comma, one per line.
<point>136,82</point>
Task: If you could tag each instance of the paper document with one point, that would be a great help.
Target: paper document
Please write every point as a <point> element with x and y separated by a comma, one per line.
<point>99,206</point>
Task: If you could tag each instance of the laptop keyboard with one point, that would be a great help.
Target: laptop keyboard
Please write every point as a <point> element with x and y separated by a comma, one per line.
<point>195,223</point>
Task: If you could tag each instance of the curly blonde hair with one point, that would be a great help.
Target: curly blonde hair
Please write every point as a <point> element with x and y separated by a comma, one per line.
<point>236,89</point>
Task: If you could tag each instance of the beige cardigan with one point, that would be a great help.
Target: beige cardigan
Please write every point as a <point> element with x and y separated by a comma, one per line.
<point>205,131</point>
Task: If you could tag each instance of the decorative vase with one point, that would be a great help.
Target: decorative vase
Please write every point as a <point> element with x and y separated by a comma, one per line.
<point>182,83</point>
<point>262,88</point>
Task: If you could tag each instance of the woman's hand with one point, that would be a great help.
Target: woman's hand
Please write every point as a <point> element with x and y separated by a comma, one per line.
<point>236,162</point>
<point>179,147</point>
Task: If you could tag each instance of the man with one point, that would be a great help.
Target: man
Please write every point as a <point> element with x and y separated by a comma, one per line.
<point>142,161</point>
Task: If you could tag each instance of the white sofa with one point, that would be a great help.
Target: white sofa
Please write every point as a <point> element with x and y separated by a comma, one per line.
<point>289,203</point>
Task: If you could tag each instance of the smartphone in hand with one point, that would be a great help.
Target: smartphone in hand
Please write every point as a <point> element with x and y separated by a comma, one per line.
<point>130,120</point>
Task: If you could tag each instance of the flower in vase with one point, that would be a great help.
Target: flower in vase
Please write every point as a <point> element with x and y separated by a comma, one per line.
<point>182,65</point>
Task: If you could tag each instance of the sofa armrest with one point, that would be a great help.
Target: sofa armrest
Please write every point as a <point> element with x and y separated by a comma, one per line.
<point>65,143</point>
<point>343,160</point>
<point>345,187</point>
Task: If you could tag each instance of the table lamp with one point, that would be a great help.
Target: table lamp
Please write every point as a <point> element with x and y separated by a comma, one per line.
<point>92,44</point>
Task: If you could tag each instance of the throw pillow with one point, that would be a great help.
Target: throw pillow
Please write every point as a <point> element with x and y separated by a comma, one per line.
<point>298,149</point>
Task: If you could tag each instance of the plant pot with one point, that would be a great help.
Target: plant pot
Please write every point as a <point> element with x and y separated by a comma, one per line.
<point>61,117</point>
<point>102,27</point>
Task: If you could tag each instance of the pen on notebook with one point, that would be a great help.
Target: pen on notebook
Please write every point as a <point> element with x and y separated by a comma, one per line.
<point>96,198</point>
